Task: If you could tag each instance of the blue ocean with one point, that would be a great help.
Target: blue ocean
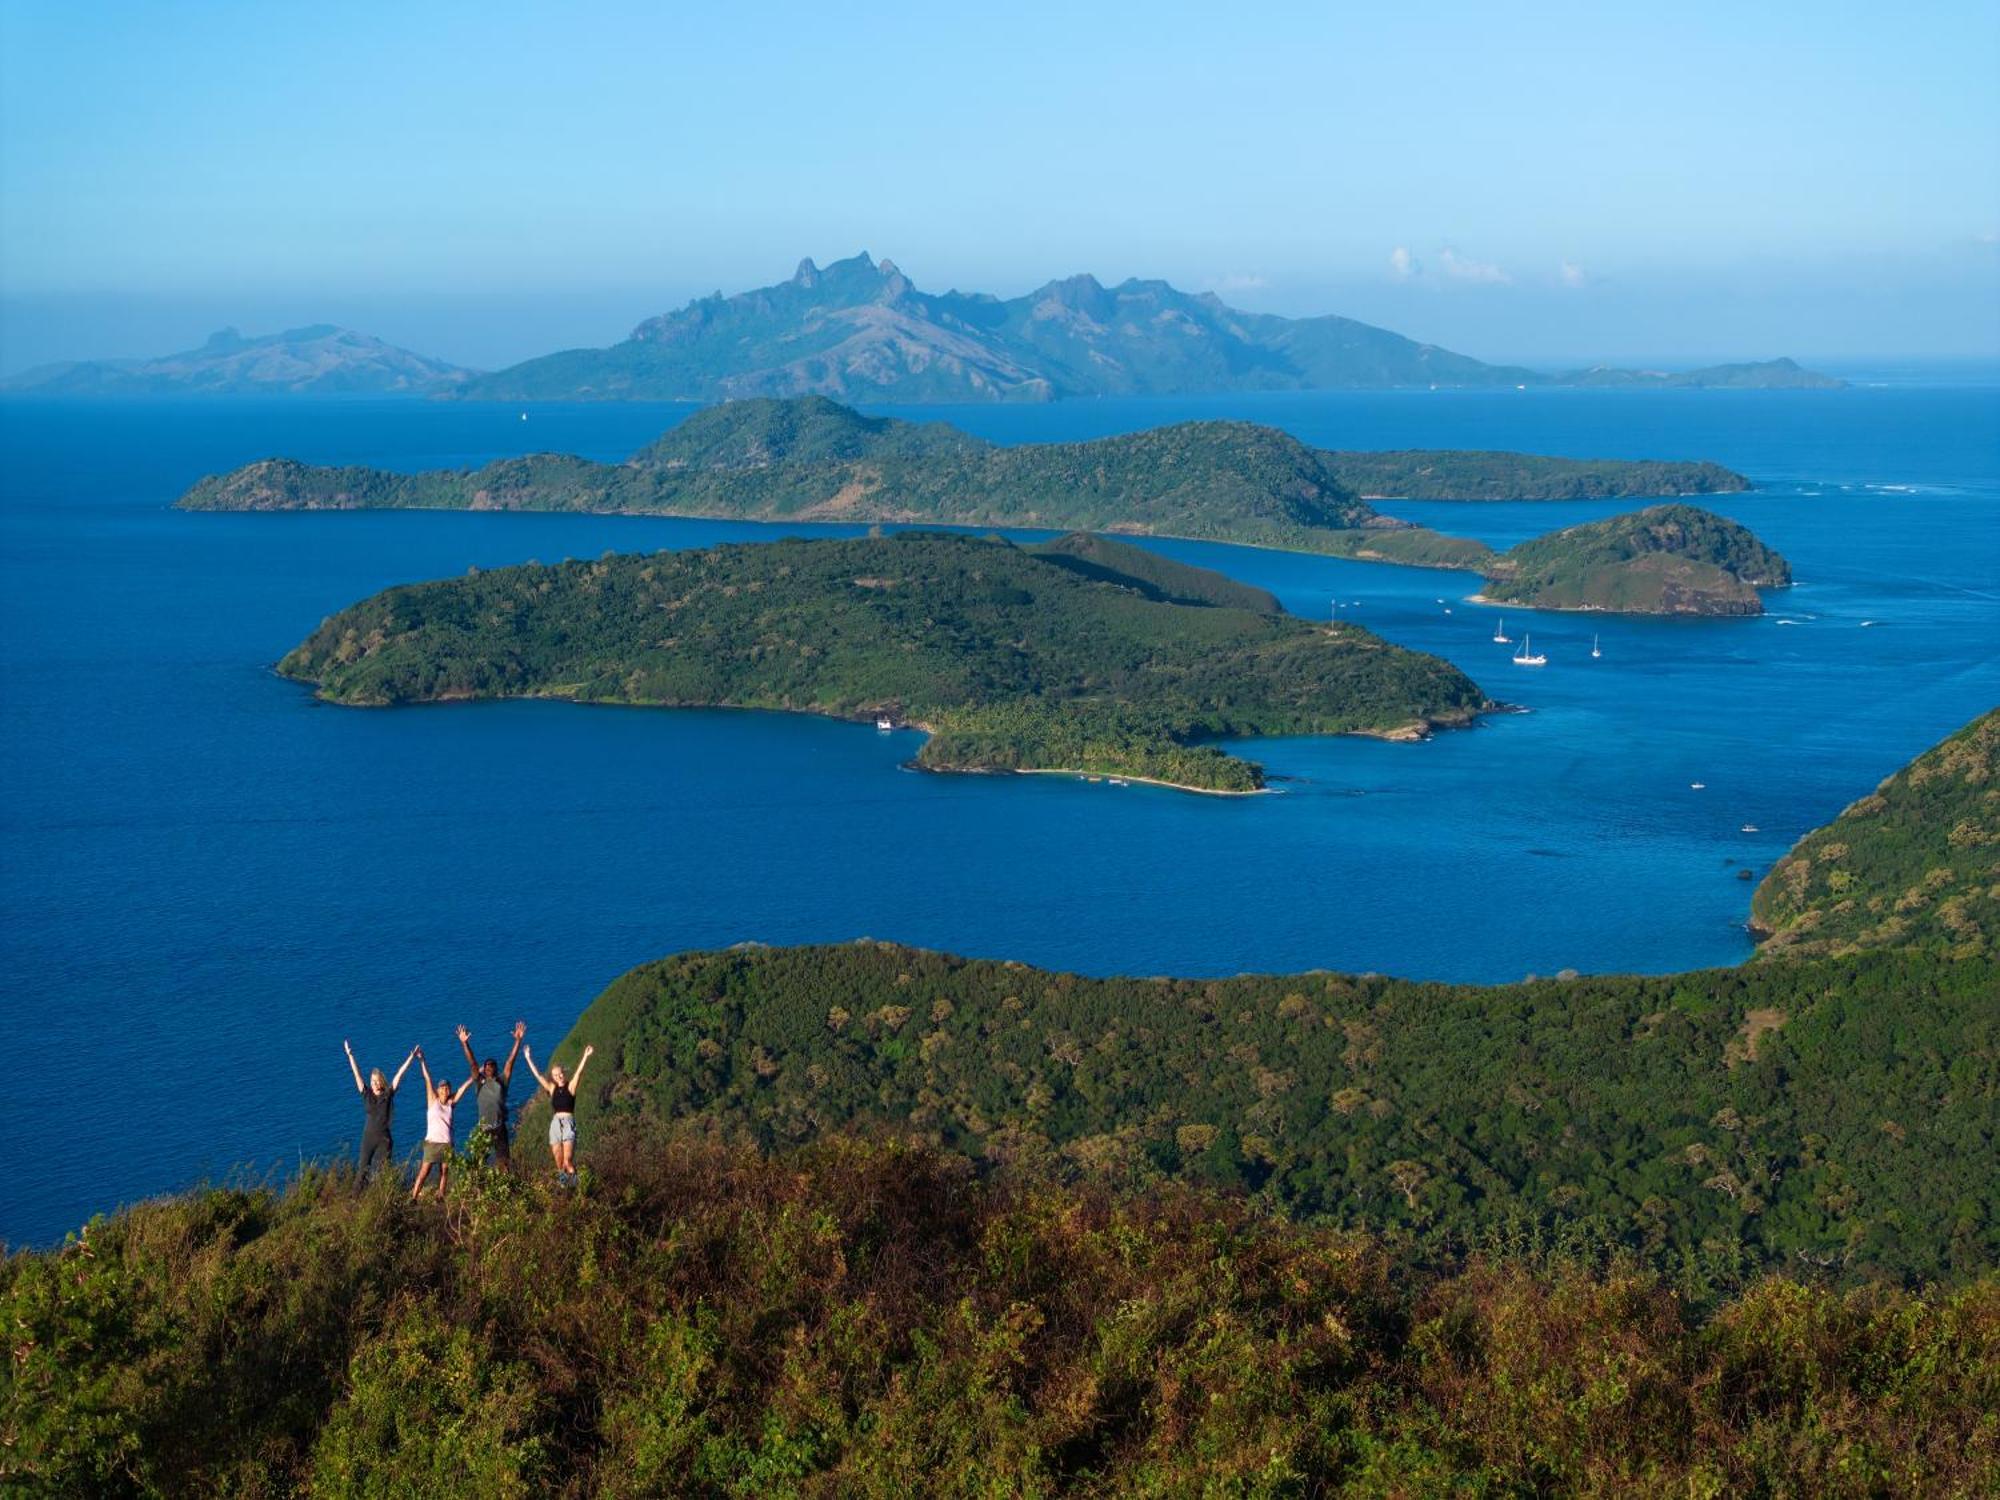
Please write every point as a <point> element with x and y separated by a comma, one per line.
<point>207,880</point>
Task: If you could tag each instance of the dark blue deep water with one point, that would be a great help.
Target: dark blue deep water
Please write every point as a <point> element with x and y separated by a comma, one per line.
<point>209,880</point>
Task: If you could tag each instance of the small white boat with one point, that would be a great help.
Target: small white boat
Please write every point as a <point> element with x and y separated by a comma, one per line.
<point>1500,633</point>
<point>1528,656</point>
<point>1594,651</point>
<point>1697,785</point>
<point>524,416</point>
<point>1118,781</point>
<point>884,723</point>
<point>1750,828</point>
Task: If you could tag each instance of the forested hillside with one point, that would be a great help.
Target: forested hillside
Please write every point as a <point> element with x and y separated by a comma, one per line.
<point>1430,474</point>
<point>1841,1114</point>
<point>1913,865</point>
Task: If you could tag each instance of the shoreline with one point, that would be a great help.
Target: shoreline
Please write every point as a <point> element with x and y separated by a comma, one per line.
<point>1413,733</point>
<point>1172,786</point>
<point>1622,614</point>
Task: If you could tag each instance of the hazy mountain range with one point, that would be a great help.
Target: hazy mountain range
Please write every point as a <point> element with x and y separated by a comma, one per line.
<point>320,360</point>
<point>860,330</point>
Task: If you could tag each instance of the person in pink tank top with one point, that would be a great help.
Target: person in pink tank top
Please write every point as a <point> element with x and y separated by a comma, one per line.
<point>439,1098</point>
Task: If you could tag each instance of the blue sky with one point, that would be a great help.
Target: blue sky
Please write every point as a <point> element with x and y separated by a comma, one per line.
<point>488,181</point>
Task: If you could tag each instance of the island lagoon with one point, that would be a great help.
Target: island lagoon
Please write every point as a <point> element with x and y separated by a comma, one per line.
<point>210,879</point>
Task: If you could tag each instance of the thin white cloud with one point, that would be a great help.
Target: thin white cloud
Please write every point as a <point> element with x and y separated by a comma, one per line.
<point>1463,268</point>
<point>1572,274</point>
<point>1402,264</point>
<point>1238,281</point>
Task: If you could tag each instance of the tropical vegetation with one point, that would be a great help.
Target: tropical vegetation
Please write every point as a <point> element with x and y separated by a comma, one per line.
<point>870,1318</point>
<point>1036,658</point>
<point>1666,559</point>
<point>1914,865</point>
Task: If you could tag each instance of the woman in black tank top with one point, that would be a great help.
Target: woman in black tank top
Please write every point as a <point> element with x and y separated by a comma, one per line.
<point>562,1112</point>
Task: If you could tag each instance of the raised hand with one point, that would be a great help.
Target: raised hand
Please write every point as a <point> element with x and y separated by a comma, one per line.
<point>588,1049</point>
<point>520,1030</point>
<point>464,1035</point>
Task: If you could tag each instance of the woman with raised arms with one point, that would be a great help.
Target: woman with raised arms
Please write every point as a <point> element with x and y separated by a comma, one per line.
<point>562,1119</point>
<point>378,1106</point>
<point>437,1127</point>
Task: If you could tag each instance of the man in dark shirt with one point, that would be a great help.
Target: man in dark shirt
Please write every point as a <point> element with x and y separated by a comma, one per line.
<point>492,1090</point>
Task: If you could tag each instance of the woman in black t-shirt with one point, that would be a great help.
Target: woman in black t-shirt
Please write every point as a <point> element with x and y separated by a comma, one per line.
<point>562,1112</point>
<point>378,1104</point>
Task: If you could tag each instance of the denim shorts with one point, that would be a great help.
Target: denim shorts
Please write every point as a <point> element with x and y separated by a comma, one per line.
<point>561,1128</point>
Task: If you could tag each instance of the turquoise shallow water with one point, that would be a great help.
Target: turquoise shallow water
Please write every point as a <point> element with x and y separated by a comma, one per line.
<point>209,880</point>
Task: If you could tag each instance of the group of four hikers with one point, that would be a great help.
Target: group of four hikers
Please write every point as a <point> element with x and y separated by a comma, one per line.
<point>378,1104</point>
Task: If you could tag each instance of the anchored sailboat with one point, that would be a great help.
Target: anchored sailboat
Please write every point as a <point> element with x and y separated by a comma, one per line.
<point>1527,656</point>
<point>1593,647</point>
<point>1500,633</point>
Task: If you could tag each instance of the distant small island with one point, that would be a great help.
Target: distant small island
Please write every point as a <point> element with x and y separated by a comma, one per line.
<point>319,360</point>
<point>1084,655</point>
<point>1664,560</point>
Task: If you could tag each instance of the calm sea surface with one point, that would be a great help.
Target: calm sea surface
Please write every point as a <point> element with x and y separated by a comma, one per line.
<point>207,880</point>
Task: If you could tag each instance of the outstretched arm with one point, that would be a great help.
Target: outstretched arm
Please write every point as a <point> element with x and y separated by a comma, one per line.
<point>529,1054</point>
<point>576,1082</point>
<point>354,1068</point>
<point>465,1044</point>
<point>463,1087</point>
<point>427,1071</point>
<point>520,1036</point>
<point>397,1082</point>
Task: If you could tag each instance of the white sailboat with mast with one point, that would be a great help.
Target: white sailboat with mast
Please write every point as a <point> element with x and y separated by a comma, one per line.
<point>1527,656</point>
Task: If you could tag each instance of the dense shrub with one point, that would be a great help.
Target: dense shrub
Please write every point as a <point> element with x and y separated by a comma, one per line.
<point>868,1318</point>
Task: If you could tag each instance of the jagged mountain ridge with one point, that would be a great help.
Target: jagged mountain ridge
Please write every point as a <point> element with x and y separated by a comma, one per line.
<point>860,330</point>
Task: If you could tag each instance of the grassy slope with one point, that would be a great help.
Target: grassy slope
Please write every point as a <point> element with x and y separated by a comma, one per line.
<point>1913,865</point>
<point>1014,660</point>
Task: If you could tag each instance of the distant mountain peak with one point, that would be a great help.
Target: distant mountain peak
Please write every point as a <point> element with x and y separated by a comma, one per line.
<point>316,359</point>
<point>860,330</point>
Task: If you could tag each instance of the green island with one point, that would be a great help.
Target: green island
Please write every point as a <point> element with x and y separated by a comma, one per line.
<point>1449,474</point>
<point>808,459</point>
<point>1666,559</point>
<point>1913,866</point>
<point>877,1221</point>
<point>1086,654</point>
